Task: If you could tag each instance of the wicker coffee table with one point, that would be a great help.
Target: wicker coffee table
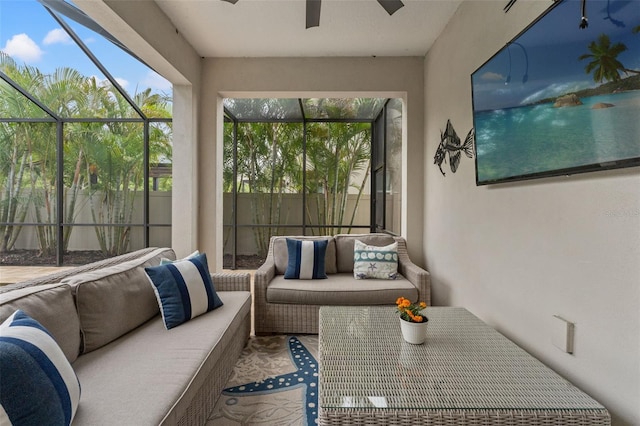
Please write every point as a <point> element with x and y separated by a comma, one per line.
<point>465,374</point>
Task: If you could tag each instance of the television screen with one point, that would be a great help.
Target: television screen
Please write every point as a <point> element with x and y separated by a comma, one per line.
<point>559,99</point>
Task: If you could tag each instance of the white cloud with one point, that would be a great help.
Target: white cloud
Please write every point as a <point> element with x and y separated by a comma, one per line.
<point>57,36</point>
<point>151,80</point>
<point>556,89</point>
<point>492,76</point>
<point>89,40</point>
<point>155,81</point>
<point>22,47</point>
<point>103,81</point>
<point>122,82</point>
<point>100,81</point>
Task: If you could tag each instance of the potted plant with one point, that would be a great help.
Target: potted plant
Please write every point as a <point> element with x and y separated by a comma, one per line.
<point>413,323</point>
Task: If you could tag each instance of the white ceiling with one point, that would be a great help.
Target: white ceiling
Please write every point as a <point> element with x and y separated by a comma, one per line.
<point>276,28</point>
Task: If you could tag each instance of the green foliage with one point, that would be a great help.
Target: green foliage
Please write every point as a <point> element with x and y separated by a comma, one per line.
<point>103,161</point>
<point>17,149</point>
<point>336,154</point>
<point>270,165</point>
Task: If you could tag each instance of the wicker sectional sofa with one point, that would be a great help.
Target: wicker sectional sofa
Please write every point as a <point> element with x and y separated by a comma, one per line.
<point>132,371</point>
<point>292,306</point>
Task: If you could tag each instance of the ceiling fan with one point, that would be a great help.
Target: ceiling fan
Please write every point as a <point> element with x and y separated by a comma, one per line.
<point>313,9</point>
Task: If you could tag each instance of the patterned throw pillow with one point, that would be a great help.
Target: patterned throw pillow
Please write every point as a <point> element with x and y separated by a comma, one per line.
<point>37,384</point>
<point>375,262</point>
<point>306,259</point>
<point>184,289</point>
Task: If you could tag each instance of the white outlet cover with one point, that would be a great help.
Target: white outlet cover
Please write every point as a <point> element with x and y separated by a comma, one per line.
<point>562,334</point>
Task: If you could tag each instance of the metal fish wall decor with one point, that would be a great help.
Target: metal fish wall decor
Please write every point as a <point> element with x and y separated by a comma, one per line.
<point>451,145</point>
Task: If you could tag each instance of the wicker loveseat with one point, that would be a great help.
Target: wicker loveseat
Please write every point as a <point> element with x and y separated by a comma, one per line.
<point>292,306</point>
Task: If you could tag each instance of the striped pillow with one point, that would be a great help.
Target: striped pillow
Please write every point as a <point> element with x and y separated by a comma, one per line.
<point>38,385</point>
<point>184,289</point>
<point>306,259</point>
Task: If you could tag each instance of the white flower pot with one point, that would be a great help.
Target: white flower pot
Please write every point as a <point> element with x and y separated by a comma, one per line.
<point>414,332</point>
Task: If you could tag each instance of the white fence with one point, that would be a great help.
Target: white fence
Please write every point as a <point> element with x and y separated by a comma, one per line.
<point>252,208</point>
<point>83,236</point>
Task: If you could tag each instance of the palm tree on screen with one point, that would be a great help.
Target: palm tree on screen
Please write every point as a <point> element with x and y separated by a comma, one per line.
<point>603,60</point>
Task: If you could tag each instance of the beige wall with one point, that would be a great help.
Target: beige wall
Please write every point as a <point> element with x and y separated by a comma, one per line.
<point>516,254</point>
<point>308,77</point>
<point>145,30</point>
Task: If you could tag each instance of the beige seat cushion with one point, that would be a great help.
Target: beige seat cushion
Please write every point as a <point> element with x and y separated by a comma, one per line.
<point>339,289</point>
<point>345,243</point>
<point>114,300</point>
<point>52,306</point>
<point>151,373</point>
<point>281,255</point>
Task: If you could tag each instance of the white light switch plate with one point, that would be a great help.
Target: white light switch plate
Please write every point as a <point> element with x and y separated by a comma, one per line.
<point>562,334</point>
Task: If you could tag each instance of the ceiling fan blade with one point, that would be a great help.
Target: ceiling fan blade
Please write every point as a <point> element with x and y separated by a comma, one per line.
<point>231,1</point>
<point>391,6</point>
<point>313,13</point>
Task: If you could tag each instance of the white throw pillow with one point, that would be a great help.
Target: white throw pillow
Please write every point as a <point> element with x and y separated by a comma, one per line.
<point>375,262</point>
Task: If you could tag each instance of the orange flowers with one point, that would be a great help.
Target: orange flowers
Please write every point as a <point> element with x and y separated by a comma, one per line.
<point>410,311</point>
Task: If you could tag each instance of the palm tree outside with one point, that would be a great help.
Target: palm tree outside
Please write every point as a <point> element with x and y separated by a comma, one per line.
<point>103,166</point>
<point>277,162</point>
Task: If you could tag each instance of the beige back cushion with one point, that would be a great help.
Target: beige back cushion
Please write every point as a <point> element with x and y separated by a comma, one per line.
<point>345,243</point>
<point>52,306</point>
<point>115,300</point>
<point>281,255</point>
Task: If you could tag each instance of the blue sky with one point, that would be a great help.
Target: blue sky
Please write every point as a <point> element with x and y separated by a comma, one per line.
<point>30,35</point>
<point>552,47</point>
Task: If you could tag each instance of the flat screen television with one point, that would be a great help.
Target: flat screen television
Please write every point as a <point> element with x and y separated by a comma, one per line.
<point>558,99</point>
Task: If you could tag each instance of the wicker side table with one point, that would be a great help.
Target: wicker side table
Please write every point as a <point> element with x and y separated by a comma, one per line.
<point>465,374</point>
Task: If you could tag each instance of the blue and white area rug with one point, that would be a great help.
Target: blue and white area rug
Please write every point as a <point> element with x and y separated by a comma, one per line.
<point>275,382</point>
